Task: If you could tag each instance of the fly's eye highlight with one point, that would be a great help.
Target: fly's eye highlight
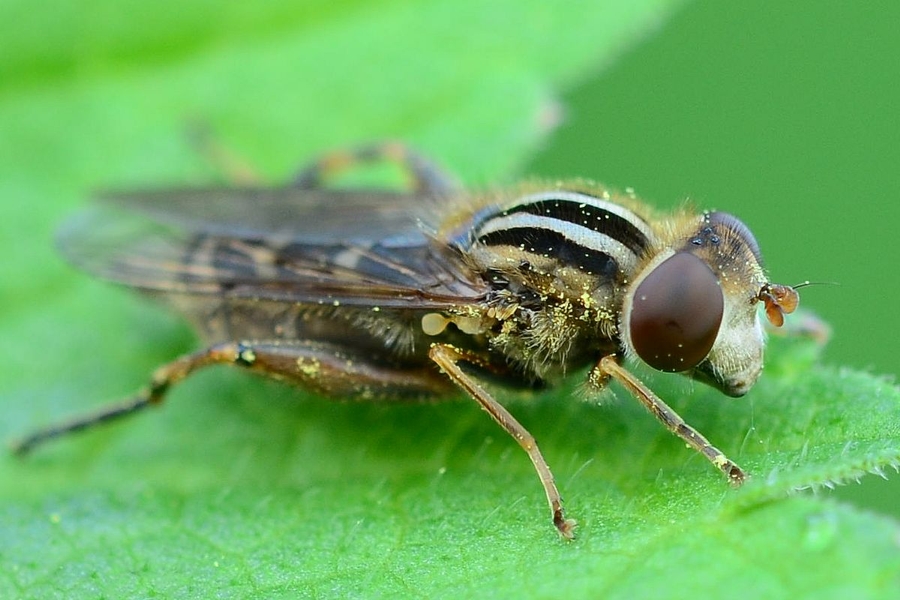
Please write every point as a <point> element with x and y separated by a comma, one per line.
<point>676,313</point>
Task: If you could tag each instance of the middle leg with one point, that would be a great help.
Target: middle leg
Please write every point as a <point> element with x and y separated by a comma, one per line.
<point>447,358</point>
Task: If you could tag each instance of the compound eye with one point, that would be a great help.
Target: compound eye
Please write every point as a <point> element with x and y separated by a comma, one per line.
<point>676,313</point>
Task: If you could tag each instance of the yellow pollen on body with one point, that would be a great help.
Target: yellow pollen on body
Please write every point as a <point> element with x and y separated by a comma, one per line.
<point>311,367</point>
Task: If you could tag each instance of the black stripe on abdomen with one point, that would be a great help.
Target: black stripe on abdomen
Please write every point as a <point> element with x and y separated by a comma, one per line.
<point>587,215</point>
<point>552,244</point>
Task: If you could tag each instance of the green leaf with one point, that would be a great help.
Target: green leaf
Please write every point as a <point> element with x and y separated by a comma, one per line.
<point>241,488</point>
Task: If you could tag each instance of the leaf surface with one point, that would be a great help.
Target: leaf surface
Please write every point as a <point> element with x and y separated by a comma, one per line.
<point>241,488</point>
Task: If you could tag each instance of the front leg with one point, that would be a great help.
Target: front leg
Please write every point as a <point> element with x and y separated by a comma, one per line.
<point>610,367</point>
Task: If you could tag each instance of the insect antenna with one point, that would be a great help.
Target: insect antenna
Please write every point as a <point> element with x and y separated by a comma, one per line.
<point>808,283</point>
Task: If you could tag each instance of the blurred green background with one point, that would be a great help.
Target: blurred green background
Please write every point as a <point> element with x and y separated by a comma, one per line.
<point>788,115</point>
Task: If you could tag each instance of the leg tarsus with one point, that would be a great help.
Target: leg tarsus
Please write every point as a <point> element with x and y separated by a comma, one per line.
<point>132,405</point>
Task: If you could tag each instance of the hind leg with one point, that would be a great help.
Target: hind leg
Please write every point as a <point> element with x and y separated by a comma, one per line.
<point>323,368</point>
<point>423,174</point>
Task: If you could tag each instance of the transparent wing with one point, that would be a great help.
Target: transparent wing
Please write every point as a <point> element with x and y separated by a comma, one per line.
<point>285,213</point>
<point>286,244</point>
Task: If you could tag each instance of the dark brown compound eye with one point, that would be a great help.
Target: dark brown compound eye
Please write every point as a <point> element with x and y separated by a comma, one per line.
<point>676,313</point>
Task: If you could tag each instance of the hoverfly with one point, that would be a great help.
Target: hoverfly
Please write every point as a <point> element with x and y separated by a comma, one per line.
<point>388,295</point>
